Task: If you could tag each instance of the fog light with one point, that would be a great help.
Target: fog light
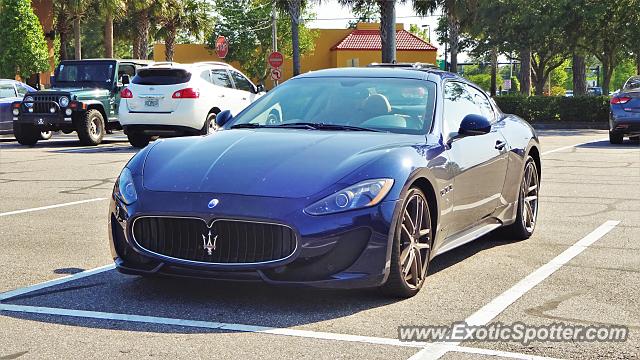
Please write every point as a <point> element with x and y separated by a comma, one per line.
<point>52,110</point>
<point>16,112</point>
<point>68,112</point>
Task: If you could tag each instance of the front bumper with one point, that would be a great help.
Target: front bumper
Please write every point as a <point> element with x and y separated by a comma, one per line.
<point>345,250</point>
<point>44,120</point>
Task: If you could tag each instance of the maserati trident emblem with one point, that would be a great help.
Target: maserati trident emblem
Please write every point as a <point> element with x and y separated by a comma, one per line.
<point>207,244</point>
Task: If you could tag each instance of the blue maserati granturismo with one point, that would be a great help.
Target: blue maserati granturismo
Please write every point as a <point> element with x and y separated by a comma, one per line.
<point>340,178</point>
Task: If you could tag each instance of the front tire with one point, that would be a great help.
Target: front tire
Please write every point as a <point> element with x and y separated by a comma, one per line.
<point>615,138</point>
<point>138,140</point>
<point>91,128</point>
<point>26,134</point>
<point>411,247</point>
<point>527,215</point>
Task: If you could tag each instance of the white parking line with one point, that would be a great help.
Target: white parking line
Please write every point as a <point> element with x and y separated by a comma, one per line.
<point>256,329</point>
<point>58,281</point>
<point>504,300</point>
<point>50,207</point>
<point>572,146</point>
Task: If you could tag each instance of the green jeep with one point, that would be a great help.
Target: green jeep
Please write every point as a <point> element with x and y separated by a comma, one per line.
<point>84,97</point>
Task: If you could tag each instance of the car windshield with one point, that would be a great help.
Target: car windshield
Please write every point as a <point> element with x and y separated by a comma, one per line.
<point>633,84</point>
<point>7,91</point>
<point>98,74</point>
<point>378,104</point>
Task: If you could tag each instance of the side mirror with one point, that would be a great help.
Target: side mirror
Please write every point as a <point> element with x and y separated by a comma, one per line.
<point>125,80</point>
<point>223,117</point>
<point>474,124</point>
<point>259,88</point>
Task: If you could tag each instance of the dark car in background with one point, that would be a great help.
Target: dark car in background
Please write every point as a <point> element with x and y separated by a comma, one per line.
<point>358,179</point>
<point>12,91</point>
<point>624,117</point>
<point>84,98</point>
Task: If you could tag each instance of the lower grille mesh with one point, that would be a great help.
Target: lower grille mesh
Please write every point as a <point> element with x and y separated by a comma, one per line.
<point>234,241</point>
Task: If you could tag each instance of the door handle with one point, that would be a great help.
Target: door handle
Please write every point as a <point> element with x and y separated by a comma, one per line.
<point>222,95</point>
<point>500,144</point>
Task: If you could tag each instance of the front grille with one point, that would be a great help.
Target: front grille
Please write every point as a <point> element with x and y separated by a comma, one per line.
<point>236,242</point>
<point>42,103</point>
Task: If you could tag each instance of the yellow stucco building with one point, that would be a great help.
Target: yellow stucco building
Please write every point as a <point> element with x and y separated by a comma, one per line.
<point>333,48</point>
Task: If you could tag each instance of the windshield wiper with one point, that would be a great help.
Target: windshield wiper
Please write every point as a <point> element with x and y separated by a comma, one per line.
<point>324,126</point>
<point>249,126</point>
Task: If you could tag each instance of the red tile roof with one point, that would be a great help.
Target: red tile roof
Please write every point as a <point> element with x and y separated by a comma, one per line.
<point>370,40</point>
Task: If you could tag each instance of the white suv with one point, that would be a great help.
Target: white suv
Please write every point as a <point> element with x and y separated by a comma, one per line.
<point>170,99</point>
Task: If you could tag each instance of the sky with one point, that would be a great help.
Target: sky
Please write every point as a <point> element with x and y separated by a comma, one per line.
<point>331,15</point>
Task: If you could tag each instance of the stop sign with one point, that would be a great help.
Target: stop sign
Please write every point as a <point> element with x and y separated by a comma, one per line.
<point>275,59</point>
<point>222,47</point>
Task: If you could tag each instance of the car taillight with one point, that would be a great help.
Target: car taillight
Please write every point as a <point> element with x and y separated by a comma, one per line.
<point>126,93</point>
<point>188,93</point>
<point>620,100</point>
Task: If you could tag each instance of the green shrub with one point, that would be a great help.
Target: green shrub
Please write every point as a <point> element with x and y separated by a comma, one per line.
<point>556,108</point>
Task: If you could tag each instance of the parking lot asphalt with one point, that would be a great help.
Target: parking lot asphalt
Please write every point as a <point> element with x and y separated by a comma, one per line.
<point>53,223</point>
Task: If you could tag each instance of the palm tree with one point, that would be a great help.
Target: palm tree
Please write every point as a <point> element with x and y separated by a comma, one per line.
<point>142,11</point>
<point>77,10</point>
<point>294,9</point>
<point>457,12</point>
<point>189,16</point>
<point>387,24</point>
<point>110,9</point>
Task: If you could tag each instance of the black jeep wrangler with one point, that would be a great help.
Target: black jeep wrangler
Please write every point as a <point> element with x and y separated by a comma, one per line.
<point>84,97</point>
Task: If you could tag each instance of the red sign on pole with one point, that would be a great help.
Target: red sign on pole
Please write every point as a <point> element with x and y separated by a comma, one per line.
<point>222,47</point>
<point>275,59</point>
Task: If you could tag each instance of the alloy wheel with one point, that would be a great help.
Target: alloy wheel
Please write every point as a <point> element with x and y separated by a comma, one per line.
<point>415,241</point>
<point>529,195</point>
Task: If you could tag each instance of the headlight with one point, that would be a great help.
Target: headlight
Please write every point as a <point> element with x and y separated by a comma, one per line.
<point>16,112</point>
<point>125,189</point>
<point>64,101</point>
<point>363,194</point>
<point>28,101</point>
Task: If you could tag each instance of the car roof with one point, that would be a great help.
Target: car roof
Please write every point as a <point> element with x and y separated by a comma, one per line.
<point>135,61</point>
<point>378,71</point>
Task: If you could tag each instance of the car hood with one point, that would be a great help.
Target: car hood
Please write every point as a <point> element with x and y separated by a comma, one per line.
<point>265,162</point>
<point>80,92</point>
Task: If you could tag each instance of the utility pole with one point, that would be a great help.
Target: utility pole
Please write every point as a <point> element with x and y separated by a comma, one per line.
<point>274,34</point>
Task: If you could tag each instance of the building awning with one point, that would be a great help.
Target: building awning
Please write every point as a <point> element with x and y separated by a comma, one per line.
<point>370,40</point>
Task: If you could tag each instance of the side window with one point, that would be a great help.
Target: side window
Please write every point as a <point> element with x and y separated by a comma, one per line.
<point>481,100</point>
<point>205,75</point>
<point>126,69</point>
<point>458,103</point>
<point>22,91</point>
<point>221,78</point>
<point>241,82</point>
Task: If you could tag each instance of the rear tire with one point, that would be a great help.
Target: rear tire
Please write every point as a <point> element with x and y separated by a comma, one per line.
<point>138,140</point>
<point>26,134</point>
<point>527,204</point>
<point>210,125</point>
<point>615,138</point>
<point>91,128</point>
<point>411,247</point>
